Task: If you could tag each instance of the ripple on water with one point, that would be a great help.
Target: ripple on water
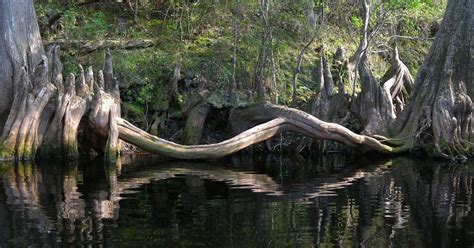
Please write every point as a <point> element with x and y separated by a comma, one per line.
<point>394,203</point>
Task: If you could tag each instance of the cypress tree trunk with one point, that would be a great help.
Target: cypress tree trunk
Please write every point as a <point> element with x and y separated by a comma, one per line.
<point>20,47</point>
<point>39,111</point>
<point>440,106</point>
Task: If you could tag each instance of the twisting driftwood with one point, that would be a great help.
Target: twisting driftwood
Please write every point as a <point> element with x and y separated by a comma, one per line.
<point>281,119</point>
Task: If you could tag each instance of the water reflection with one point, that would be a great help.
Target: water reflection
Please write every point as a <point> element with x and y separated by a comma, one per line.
<point>274,202</point>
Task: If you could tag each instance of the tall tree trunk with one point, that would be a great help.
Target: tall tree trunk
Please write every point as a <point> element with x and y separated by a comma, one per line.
<point>297,70</point>
<point>20,46</point>
<point>262,56</point>
<point>441,101</point>
<point>274,87</point>
<point>173,100</point>
<point>233,84</point>
<point>355,59</point>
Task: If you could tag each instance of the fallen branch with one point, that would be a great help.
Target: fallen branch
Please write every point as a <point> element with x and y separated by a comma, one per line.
<point>289,120</point>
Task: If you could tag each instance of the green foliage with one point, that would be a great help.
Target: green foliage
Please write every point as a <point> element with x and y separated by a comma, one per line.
<point>144,77</point>
<point>201,33</point>
<point>357,22</point>
<point>217,100</point>
<point>304,93</point>
<point>75,23</point>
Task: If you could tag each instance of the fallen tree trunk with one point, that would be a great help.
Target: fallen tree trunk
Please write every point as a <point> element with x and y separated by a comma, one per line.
<point>75,100</point>
<point>281,119</point>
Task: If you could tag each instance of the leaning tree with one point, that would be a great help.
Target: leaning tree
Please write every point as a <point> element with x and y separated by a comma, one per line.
<point>42,113</point>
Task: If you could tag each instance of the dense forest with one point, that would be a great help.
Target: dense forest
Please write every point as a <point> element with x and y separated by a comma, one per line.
<point>199,72</point>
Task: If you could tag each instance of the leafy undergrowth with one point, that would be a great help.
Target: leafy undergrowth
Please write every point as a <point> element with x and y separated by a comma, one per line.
<point>200,35</point>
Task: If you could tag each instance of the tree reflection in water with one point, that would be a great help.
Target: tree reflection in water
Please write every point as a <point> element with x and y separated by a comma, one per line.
<point>275,203</point>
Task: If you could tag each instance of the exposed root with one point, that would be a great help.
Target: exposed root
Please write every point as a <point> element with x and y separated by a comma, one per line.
<point>32,95</point>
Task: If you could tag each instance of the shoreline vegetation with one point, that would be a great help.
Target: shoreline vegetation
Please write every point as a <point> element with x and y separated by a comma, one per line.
<point>253,74</point>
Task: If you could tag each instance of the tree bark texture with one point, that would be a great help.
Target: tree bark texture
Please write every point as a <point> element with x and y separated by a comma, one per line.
<point>20,49</point>
<point>196,111</point>
<point>441,102</point>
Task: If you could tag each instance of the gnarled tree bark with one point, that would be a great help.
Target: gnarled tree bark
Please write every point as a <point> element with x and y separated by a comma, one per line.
<point>441,101</point>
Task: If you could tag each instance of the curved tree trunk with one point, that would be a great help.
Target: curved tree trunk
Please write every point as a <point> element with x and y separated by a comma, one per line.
<point>275,119</point>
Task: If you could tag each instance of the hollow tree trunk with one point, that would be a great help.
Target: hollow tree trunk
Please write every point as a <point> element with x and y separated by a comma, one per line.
<point>441,103</point>
<point>195,123</point>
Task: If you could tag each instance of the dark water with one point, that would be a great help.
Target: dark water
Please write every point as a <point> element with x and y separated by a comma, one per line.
<point>277,203</point>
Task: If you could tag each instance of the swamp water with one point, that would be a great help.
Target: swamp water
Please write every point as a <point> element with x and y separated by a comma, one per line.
<point>280,202</point>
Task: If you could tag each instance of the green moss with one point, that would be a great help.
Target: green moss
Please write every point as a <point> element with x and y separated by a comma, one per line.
<point>6,153</point>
